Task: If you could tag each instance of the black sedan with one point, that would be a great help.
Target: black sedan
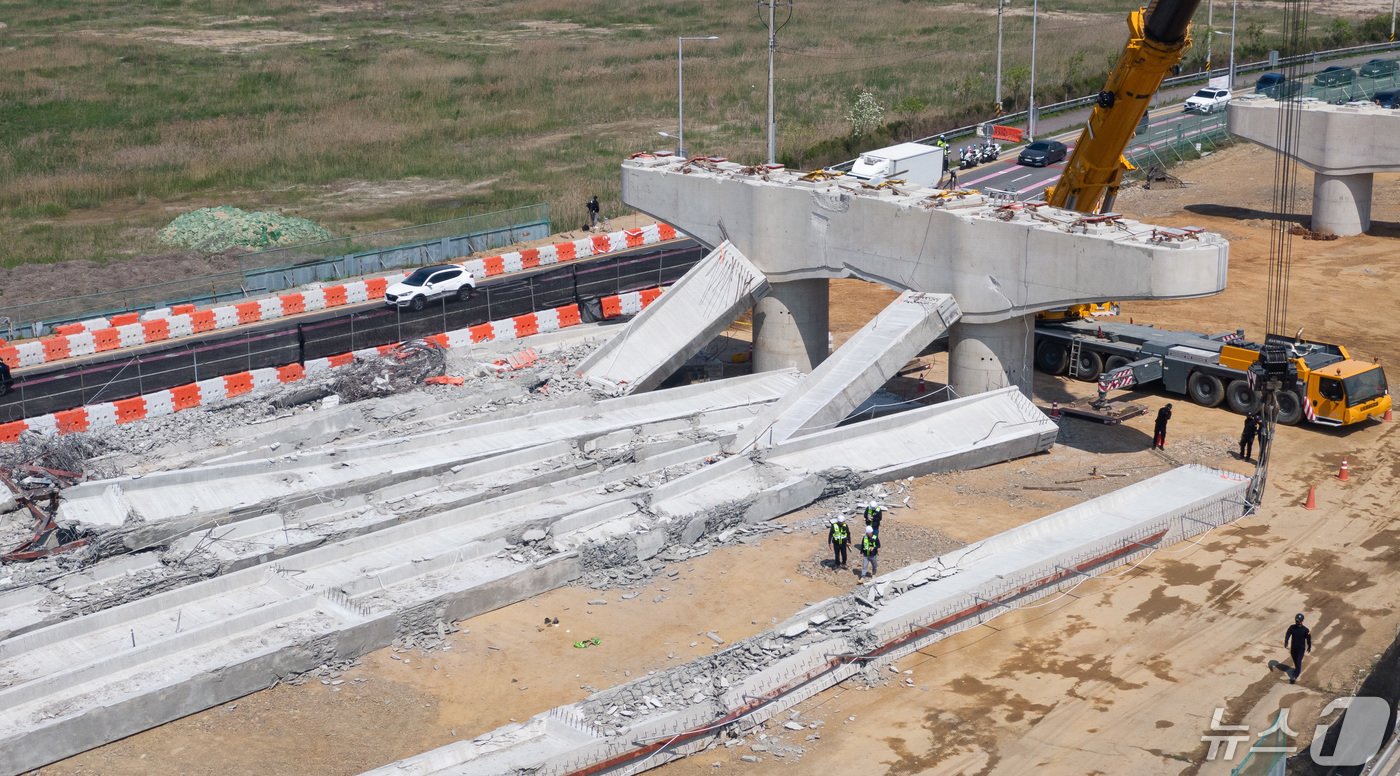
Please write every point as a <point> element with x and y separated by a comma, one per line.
<point>1042,153</point>
<point>1379,67</point>
<point>1335,75</point>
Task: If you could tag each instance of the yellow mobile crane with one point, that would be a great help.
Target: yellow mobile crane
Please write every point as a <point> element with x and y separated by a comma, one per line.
<point>1320,382</point>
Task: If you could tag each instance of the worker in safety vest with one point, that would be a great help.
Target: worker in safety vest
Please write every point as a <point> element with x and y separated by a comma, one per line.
<point>870,550</point>
<point>874,513</point>
<point>839,537</point>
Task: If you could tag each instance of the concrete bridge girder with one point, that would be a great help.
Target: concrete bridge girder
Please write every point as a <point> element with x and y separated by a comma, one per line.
<point>1344,146</point>
<point>1001,261</point>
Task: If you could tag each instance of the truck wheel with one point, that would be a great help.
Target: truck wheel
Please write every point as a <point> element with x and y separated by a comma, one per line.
<point>1114,362</point>
<point>1290,408</point>
<point>1051,357</point>
<point>1089,367</point>
<point>1205,389</point>
<point>1241,397</point>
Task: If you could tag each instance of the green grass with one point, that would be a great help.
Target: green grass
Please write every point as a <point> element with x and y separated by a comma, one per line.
<point>109,125</point>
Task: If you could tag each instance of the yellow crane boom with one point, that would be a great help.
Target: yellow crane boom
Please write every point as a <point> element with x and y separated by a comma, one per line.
<point>1158,36</point>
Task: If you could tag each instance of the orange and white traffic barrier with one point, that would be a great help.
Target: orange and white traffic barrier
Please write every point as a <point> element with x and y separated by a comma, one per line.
<point>1344,473</point>
<point>221,389</point>
<point>127,330</point>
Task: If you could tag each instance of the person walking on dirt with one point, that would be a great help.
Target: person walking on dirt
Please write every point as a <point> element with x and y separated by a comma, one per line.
<point>839,537</point>
<point>1247,435</point>
<point>593,210</point>
<point>870,549</point>
<point>1301,639</point>
<point>1159,429</point>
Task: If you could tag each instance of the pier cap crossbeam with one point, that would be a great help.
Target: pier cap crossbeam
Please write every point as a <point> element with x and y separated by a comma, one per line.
<point>999,259</point>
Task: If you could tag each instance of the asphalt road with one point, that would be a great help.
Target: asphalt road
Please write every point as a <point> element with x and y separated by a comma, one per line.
<point>108,377</point>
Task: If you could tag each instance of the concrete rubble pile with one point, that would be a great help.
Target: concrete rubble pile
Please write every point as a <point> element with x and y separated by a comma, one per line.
<point>669,714</point>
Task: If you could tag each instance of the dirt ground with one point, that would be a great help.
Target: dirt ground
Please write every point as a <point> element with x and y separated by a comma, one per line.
<point>1120,675</point>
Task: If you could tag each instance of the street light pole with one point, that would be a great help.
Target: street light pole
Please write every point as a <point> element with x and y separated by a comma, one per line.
<point>680,90</point>
<point>1001,6</point>
<point>1210,33</point>
<point>1030,114</point>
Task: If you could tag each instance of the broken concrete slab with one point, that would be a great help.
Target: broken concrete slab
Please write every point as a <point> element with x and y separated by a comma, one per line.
<point>678,324</point>
<point>868,360</point>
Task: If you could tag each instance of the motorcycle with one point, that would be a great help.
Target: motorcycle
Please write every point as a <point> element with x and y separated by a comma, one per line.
<point>968,157</point>
<point>991,150</point>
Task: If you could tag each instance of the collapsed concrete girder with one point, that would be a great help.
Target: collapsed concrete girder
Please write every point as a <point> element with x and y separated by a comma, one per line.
<point>677,325</point>
<point>681,710</point>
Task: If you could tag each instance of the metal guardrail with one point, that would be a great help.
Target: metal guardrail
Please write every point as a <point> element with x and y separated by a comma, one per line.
<point>1315,57</point>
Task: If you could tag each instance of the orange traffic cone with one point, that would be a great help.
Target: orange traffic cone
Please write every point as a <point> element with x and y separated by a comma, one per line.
<point>1312,498</point>
<point>922,388</point>
<point>1387,416</point>
<point>1054,410</point>
<point>1344,473</point>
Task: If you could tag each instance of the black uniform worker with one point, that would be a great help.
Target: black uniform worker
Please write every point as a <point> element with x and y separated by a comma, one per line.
<point>874,514</point>
<point>5,379</point>
<point>1247,435</point>
<point>1159,429</point>
<point>1301,639</point>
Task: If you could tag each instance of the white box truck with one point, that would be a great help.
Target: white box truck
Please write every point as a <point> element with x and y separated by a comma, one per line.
<point>913,163</point>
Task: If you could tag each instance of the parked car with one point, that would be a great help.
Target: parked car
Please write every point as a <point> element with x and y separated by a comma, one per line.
<point>1336,75</point>
<point>1379,67</point>
<point>1208,100</point>
<point>1277,86</point>
<point>428,283</point>
<point>1387,99</point>
<point>1042,153</point>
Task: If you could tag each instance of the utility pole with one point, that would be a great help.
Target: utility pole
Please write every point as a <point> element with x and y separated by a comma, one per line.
<point>1030,114</point>
<point>1001,7</point>
<point>1234,5</point>
<point>1392,21</point>
<point>772,24</point>
<point>1210,32</point>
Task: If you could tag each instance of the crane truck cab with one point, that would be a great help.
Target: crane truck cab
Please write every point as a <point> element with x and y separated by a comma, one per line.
<point>1333,389</point>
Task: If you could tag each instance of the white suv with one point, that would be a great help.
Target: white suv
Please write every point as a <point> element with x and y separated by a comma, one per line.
<point>1208,101</point>
<point>427,283</point>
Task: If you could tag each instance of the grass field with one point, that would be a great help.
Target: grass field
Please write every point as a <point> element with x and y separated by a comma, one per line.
<point>116,117</point>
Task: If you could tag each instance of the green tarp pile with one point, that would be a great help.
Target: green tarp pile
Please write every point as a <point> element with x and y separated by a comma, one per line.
<point>217,229</point>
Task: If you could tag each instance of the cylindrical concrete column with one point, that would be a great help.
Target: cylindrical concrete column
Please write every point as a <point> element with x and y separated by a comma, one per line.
<point>791,326</point>
<point>985,356</point>
<point>1342,203</point>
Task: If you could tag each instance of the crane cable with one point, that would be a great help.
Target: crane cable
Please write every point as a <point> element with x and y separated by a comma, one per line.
<point>1285,183</point>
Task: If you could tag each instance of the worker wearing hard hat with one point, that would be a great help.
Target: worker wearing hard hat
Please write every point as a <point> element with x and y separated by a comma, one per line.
<point>870,550</point>
<point>874,513</point>
<point>839,537</point>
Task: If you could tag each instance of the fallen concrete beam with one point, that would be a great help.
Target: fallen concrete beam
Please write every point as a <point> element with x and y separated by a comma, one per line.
<point>205,495</point>
<point>668,714</point>
<point>856,370</point>
<point>677,325</point>
<point>965,433</point>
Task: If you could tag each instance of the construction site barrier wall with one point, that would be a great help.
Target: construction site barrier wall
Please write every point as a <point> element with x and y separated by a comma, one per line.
<point>225,387</point>
<point>120,376</point>
<point>99,335</point>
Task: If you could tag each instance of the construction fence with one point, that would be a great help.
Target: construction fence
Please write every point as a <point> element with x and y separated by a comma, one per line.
<point>583,284</point>
<point>264,272</point>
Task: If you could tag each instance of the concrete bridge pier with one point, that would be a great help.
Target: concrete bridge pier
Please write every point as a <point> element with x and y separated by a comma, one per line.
<point>986,356</point>
<point>1342,203</point>
<point>791,326</point>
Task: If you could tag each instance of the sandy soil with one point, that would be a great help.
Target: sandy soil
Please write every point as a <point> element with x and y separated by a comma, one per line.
<point>1120,675</point>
